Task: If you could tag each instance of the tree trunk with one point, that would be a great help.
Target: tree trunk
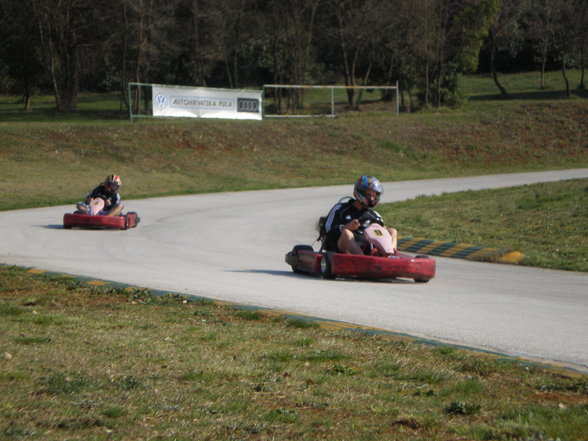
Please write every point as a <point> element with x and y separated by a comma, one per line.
<point>427,86</point>
<point>123,60</point>
<point>503,91</point>
<point>543,63</point>
<point>563,72</point>
<point>27,99</point>
<point>347,70</point>
<point>581,85</point>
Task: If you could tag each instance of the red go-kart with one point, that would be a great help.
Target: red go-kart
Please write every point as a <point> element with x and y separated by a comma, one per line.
<point>382,262</point>
<point>98,222</point>
<point>93,220</point>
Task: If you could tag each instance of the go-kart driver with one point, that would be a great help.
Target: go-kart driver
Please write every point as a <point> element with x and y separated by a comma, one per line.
<point>108,191</point>
<point>347,220</point>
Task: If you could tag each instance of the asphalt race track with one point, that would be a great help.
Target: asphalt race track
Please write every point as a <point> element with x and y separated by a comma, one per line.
<point>231,247</point>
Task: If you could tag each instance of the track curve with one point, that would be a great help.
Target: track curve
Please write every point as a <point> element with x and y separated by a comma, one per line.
<point>231,247</point>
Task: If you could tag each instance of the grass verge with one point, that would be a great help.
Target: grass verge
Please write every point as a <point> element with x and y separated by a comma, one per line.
<point>547,222</point>
<point>97,363</point>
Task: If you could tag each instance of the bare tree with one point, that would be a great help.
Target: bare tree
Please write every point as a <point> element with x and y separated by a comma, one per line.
<point>505,34</point>
<point>579,23</point>
<point>197,56</point>
<point>20,52</point>
<point>296,19</point>
<point>143,39</point>
<point>67,28</point>
<point>356,27</point>
<point>564,37</point>
<point>230,21</point>
<point>291,32</point>
<point>541,20</point>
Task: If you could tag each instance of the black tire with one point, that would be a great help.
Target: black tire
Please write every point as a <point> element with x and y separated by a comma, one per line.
<point>327,265</point>
<point>421,280</point>
<point>301,247</point>
<point>292,256</point>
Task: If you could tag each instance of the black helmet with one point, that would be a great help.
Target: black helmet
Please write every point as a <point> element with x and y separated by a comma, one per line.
<point>113,180</point>
<point>367,183</point>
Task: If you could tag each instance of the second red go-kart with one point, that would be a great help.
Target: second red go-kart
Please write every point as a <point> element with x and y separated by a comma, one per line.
<point>382,262</point>
<point>97,221</point>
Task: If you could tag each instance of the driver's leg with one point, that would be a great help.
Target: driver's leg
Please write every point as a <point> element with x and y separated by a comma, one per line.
<point>116,210</point>
<point>347,243</point>
<point>394,235</point>
<point>82,208</point>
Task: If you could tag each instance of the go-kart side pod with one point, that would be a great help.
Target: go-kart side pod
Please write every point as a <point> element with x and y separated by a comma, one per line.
<point>303,259</point>
<point>420,268</point>
<point>122,222</point>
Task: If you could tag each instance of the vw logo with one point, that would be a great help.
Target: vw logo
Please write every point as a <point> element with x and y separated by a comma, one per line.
<point>161,100</point>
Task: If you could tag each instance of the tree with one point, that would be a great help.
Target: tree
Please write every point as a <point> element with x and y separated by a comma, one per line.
<point>540,19</point>
<point>559,31</point>
<point>578,14</point>
<point>143,43</point>
<point>355,35</point>
<point>74,45</point>
<point>564,37</point>
<point>293,24</point>
<point>20,48</point>
<point>504,35</point>
<point>452,34</point>
<point>68,29</point>
<point>235,27</point>
<point>197,56</point>
<point>284,45</point>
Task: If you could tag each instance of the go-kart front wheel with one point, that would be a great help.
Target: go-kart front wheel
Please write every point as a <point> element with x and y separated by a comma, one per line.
<point>421,279</point>
<point>327,265</point>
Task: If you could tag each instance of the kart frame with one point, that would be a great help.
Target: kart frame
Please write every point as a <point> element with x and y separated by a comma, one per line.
<point>305,260</point>
<point>100,222</point>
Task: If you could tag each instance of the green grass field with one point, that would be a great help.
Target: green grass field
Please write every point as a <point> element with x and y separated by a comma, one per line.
<point>102,363</point>
<point>81,362</point>
<point>548,222</point>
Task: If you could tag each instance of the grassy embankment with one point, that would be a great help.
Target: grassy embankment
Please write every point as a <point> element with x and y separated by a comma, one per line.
<point>101,363</point>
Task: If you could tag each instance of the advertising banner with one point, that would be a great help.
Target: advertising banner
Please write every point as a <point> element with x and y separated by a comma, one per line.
<point>200,102</point>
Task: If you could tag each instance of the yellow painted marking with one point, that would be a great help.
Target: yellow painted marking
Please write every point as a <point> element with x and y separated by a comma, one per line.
<point>434,245</point>
<point>411,242</point>
<point>489,254</point>
<point>512,257</point>
<point>36,271</point>
<point>97,283</point>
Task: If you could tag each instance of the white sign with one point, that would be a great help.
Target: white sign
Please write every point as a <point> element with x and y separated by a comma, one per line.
<point>200,102</point>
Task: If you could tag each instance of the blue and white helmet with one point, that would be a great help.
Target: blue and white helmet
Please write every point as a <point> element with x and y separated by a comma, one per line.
<point>368,183</point>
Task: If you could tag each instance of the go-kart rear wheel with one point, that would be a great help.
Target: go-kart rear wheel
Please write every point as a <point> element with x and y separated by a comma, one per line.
<point>327,265</point>
<point>292,256</point>
<point>421,280</point>
<point>301,247</point>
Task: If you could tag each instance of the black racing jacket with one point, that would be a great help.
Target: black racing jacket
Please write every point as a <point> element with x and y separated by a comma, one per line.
<point>341,214</point>
<point>110,198</point>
